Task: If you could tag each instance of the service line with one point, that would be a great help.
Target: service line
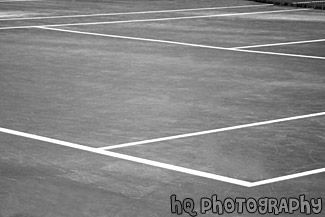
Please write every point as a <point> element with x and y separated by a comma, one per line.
<point>186,135</point>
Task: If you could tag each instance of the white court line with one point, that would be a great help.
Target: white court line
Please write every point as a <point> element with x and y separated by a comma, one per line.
<point>128,158</point>
<point>159,164</point>
<point>19,0</point>
<point>135,12</point>
<point>186,135</point>
<point>288,177</point>
<point>174,18</point>
<point>279,44</point>
<point>133,38</point>
<point>152,20</point>
<point>280,54</point>
<point>178,43</point>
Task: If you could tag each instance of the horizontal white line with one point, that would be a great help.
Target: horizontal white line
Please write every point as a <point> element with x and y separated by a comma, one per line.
<point>168,138</point>
<point>280,54</point>
<point>152,20</point>
<point>135,12</point>
<point>175,42</point>
<point>129,158</point>
<point>279,44</point>
<point>159,164</point>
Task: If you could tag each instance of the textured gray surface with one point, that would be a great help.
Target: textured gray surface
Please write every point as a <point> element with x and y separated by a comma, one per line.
<point>100,91</point>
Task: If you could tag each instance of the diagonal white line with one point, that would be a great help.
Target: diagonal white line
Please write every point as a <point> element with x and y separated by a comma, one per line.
<point>211,131</point>
<point>279,44</point>
<point>159,164</point>
<point>133,38</point>
<point>288,177</point>
<point>131,13</point>
<point>8,1</point>
<point>177,43</point>
<point>279,54</point>
<point>175,18</point>
<point>151,20</point>
<point>129,158</point>
<point>17,27</point>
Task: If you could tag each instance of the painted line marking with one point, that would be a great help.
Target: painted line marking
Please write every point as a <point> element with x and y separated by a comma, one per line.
<point>288,177</point>
<point>128,158</point>
<point>135,12</point>
<point>6,1</point>
<point>306,2</point>
<point>186,135</point>
<point>132,38</point>
<point>175,18</point>
<point>178,43</point>
<point>280,54</point>
<point>159,164</point>
<point>279,44</point>
<point>151,20</point>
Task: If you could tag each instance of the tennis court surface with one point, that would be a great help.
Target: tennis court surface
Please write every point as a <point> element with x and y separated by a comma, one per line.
<point>110,107</point>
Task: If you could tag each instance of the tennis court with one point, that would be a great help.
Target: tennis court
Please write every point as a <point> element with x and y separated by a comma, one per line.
<point>110,107</point>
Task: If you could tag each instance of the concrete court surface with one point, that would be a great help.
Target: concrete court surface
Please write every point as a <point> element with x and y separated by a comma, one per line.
<point>100,74</point>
